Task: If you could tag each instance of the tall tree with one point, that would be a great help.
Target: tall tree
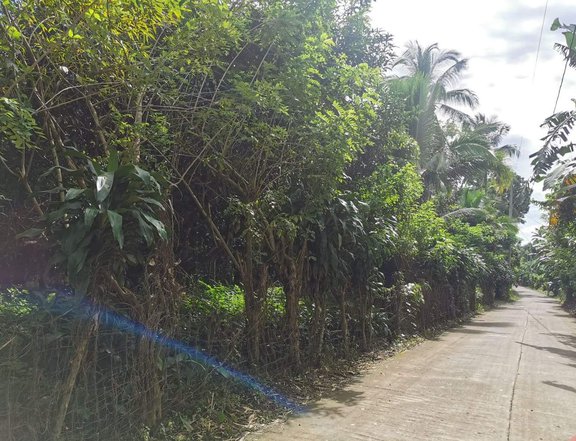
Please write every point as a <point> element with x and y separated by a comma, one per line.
<point>554,162</point>
<point>431,75</point>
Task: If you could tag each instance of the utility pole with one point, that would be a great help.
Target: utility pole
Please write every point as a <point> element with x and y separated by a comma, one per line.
<point>511,212</point>
<point>511,200</point>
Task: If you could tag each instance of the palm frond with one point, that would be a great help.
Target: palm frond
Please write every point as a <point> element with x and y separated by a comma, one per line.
<point>490,127</point>
<point>452,74</point>
<point>414,58</point>
<point>509,150</point>
<point>468,214</point>
<point>463,97</point>
<point>568,53</point>
<point>559,127</point>
<point>454,114</point>
<point>560,174</point>
<point>470,145</point>
<point>472,198</point>
<point>449,55</point>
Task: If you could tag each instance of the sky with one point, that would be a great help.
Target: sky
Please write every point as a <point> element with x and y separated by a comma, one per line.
<point>500,38</point>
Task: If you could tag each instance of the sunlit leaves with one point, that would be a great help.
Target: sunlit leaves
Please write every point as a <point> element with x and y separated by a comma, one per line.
<point>13,32</point>
<point>17,124</point>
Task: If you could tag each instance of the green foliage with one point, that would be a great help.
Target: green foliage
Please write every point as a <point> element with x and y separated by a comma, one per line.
<point>116,210</point>
<point>553,163</point>
<point>220,299</point>
<point>14,303</point>
<point>547,262</point>
<point>260,146</point>
<point>17,125</point>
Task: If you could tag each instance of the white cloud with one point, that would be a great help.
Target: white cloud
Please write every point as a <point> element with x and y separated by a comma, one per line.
<point>501,41</point>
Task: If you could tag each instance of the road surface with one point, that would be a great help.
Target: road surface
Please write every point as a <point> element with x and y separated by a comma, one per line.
<point>510,374</point>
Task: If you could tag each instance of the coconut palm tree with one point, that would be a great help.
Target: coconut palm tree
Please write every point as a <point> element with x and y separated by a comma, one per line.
<point>430,77</point>
<point>470,155</point>
<point>456,149</point>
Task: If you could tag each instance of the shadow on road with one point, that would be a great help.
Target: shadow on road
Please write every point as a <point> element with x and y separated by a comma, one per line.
<point>346,396</point>
<point>566,339</point>
<point>492,324</point>
<point>563,352</point>
<point>560,386</point>
<point>475,331</point>
<point>342,398</point>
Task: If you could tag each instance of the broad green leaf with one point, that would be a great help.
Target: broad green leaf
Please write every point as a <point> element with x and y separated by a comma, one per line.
<point>570,40</point>
<point>104,185</point>
<point>30,233</point>
<point>158,225</point>
<point>89,215</point>
<point>74,193</point>
<point>152,201</point>
<point>123,171</point>
<point>81,282</point>
<point>555,25</point>
<point>73,237</point>
<point>94,167</point>
<point>116,224</point>
<point>76,260</point>
<point>74,153</point>
<point>147,178</point>
<point>145,228</point>
<point>113,160</point>
<point>143,175</point>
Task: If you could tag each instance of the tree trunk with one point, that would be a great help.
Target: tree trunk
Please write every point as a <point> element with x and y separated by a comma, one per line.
<point>292,296</point>
<point>472,297</point>
<point>568,292</point>
<point>134,154</point>
<point>318,322</point>
<point>365,305</point>
<point>252,309</point>
<point>150,384</point>
<point>81,347</point>
<point>255,288</point>
<point>366,319</point>
<point>398,303</point>
<point>344,323</point>
<point>451,302</point>
<point>488,295</point>
<point>318,328</point>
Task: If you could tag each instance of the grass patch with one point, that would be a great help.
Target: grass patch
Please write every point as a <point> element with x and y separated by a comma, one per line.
<point>514,296</point>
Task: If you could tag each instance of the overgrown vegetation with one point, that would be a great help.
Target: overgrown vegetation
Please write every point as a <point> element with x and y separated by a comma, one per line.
<point>548,261</point>
<point>271,185</point>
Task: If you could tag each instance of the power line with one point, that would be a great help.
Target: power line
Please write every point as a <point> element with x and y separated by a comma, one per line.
<point>539,41</point>
<point>565,66</point>
<point>536,60</point>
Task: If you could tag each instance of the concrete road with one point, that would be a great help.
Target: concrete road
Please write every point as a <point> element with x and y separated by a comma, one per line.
<point>510,374</point>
